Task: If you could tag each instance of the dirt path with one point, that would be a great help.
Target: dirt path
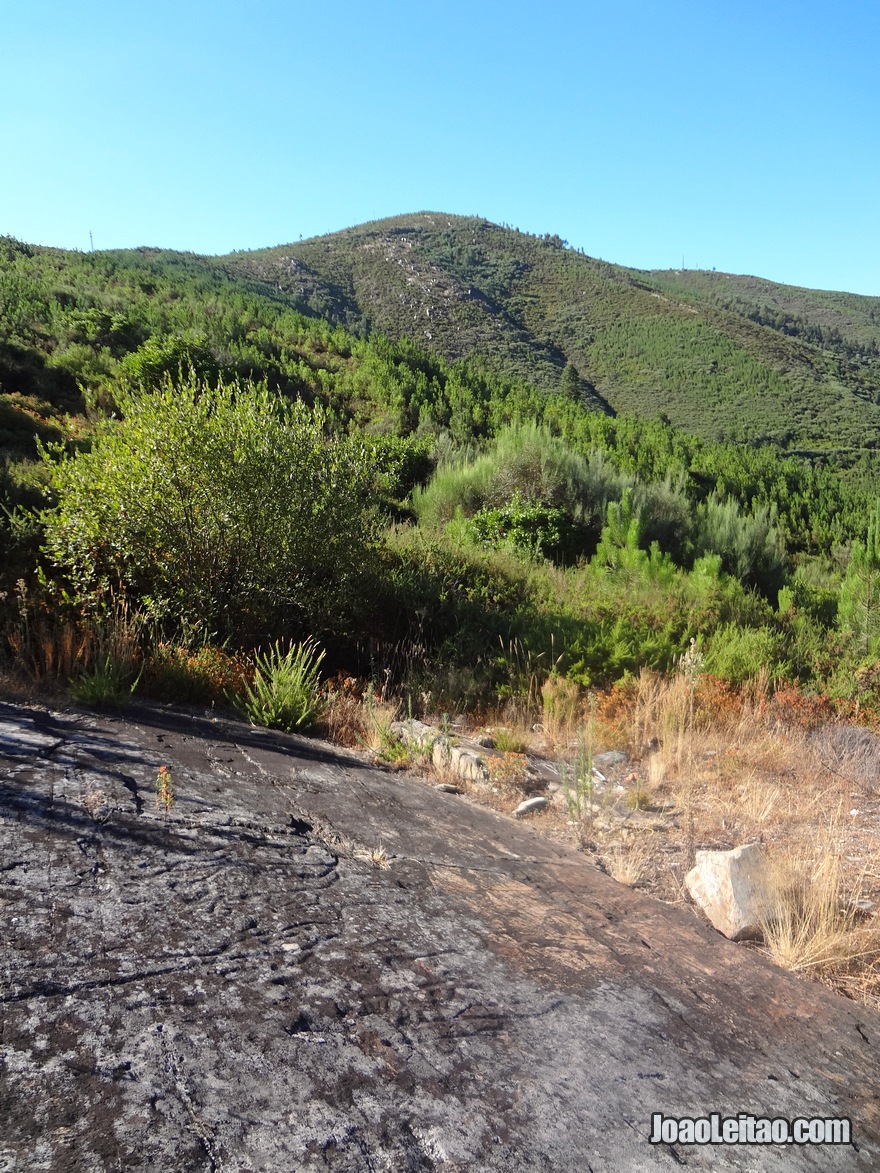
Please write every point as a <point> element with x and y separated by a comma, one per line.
<point>239,987</point>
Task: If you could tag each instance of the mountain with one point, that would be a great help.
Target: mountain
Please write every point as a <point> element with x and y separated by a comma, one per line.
<point>719,355</point>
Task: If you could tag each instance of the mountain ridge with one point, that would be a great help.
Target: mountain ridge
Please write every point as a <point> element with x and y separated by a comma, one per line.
<point>803,364</point>
<point>721,356</point>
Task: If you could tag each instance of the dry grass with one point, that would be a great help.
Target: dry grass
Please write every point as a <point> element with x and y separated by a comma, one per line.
<point>758,798</point>
<point>812,922</point>
<point>19,687</point>
<point>376,857</point>
<point>628,863</point>
<point>517,741</point>
<point>354,716</point>
<point>56,649</point>
<point>49,649</point>
<point>733,772</point>
<point>376,718</point>
<point>562,706</point>
<point>343,719</point>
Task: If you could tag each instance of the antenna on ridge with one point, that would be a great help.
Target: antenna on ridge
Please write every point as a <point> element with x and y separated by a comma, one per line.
<point>91,242</point>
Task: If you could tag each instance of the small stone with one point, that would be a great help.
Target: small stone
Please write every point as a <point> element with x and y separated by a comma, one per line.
<point>448,788</point>
<point>611,757</point>
<point>530,804</point>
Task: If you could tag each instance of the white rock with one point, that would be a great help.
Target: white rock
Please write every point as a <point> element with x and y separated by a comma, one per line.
<point>415,732</point>
<point>530,804</point>
<point>734,889</point>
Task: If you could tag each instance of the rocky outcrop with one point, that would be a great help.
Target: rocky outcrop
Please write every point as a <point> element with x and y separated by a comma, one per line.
<point>307,963</point>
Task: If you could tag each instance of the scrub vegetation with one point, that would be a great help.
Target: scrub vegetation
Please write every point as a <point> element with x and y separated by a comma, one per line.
<point>615,505</point>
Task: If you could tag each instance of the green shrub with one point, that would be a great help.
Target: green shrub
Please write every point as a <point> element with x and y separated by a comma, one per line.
<point>750,545</point>
<point>527,463</point>
<point>285,692</point>
<point>224,509</point>
<point>106,685</point>
<point>739,653</point>
<point>539,529</point>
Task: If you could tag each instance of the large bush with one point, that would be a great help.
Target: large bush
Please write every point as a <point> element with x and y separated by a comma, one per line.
<point>525,466</point>
<point>223,509</point>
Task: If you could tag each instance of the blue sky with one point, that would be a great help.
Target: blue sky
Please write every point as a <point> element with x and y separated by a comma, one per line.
<point>743,136</point>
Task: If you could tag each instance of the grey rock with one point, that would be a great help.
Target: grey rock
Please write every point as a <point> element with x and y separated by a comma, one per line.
<point>238,988</point>
<point>609,759</point>
<point>415,732</point>
<point>464,762</point>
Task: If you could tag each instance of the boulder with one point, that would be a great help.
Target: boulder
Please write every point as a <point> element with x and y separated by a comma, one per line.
<point>733,888</point>
<point>412,732</point>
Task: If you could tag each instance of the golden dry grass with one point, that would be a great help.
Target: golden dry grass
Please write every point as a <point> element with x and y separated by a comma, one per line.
<point>738,774</point>
<point>628,863</point>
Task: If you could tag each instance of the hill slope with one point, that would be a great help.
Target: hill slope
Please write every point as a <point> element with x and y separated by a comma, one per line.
<point>722,356</point>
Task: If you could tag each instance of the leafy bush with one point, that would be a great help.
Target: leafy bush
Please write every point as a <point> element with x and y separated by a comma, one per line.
<point>750,545</point>
<point>524,463</point>
<point>532,526</point>
<point>225,510</point>
<point>285,692</point>
<point>860,593</point>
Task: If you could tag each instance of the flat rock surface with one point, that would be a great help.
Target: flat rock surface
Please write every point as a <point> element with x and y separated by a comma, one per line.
<point>238,986</point>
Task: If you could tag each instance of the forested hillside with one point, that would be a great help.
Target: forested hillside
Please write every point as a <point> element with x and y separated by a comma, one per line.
<point>529,445</point>
<point>724,358</point>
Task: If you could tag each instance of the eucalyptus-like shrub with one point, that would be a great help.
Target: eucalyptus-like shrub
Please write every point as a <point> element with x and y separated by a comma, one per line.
<point>222,510</point>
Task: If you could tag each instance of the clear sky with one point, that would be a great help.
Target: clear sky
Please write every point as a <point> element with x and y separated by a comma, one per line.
<point>743,136</point>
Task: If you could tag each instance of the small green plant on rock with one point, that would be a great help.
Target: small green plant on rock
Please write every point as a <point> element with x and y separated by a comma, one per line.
<point>510,741</point>
<point>107,685</point>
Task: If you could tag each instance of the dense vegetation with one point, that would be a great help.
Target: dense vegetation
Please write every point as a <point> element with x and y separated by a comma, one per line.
<point>234,468</point>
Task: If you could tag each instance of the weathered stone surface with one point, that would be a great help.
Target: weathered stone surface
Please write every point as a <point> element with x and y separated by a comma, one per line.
<point>465,763</point>
<point>412,732</point>
<point>238,988</point>
<point>609,759</point>
<point>733,889</point>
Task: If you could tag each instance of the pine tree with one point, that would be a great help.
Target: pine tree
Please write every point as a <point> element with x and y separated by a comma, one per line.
<point>859,607</point>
